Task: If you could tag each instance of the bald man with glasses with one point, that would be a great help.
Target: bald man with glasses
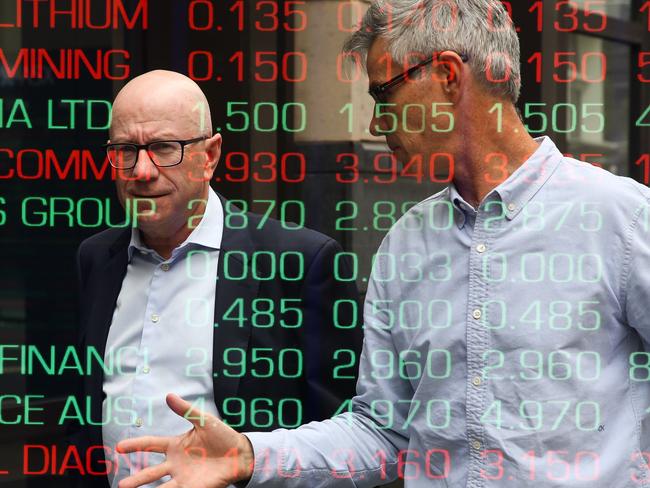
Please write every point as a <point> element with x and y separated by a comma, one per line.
<point>190,296</point>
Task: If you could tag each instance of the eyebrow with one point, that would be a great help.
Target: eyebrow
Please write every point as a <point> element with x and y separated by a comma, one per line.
<point>164,137</point>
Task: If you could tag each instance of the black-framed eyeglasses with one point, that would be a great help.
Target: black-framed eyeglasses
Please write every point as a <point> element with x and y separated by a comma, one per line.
<point>124,155</point>
<point>379,93</point>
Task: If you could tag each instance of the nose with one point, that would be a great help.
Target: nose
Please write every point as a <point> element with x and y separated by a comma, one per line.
<point>144,168</point>
<point>374,120</point>
<point>379,126</point>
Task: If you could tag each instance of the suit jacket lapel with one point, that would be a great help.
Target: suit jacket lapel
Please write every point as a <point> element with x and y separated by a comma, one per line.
<point>108,285</point>
<point>232,305</point>
<point>106,288</point>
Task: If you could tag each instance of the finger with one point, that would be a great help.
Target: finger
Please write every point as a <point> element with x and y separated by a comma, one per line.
<point>186,410</point>
<point>147,443</point>
<point>147,475</point>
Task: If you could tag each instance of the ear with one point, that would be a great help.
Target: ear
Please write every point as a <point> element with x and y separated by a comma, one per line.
<point>451,73</point>
<point>213,153</point>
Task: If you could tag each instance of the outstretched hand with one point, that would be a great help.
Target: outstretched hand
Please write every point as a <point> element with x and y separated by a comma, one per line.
<point>210,455</point>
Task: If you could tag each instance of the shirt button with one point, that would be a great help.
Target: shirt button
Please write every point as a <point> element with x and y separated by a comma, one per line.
<point>476,381</point>
<point>476,445</point>
<point>481,248</point>
<point>164,267</point>
<point>155,318</point>
<point>138,422</point>
<point>146,369</point>
<point>476,314</point>
<point>511,206</point>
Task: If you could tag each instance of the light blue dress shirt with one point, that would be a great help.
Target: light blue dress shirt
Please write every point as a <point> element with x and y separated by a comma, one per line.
<point>161,341</point>
<point>504,346</point>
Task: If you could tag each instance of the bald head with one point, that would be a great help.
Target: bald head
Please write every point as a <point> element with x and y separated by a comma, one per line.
<point>163,94</point>
<point>162,107</point>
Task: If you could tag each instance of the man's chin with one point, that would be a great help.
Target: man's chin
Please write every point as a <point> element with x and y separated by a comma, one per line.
<point>399,155</point>
<point>146,222</point>
<point>144,212</point>
<point>143,208</point>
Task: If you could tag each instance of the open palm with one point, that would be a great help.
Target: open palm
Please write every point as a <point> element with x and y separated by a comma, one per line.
<point>210,455</point>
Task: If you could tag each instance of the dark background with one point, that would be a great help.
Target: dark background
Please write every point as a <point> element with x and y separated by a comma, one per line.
<point>37,271</point>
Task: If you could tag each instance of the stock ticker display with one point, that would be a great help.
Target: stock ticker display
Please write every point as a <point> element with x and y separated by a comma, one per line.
<point>294,115</point>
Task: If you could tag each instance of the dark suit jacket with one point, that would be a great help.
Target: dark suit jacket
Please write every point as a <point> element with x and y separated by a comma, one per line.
<point>102,262</point>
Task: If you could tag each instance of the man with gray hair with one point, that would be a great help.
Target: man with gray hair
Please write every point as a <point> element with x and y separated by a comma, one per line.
<point>506,327</point>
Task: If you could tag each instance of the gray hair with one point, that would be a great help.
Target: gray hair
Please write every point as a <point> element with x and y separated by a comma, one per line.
<point>481,29</point>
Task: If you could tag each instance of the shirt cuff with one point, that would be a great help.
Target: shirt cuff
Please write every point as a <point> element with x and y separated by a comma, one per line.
<point>267,447</point>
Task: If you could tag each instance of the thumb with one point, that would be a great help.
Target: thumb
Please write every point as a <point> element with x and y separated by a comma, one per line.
<point>186,410</point>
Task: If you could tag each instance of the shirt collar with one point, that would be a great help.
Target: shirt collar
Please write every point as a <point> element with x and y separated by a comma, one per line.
<point>206,234</point>
<point>528,179</point>
<point>461,207</point>
<point>518,189</point>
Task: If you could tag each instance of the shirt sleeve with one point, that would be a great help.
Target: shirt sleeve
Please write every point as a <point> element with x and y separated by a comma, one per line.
<point>636,275</point>
<point>358,448</point>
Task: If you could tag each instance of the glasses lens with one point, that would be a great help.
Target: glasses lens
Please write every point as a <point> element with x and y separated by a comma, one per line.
<point>122,156</point>
<point>166,153</point>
